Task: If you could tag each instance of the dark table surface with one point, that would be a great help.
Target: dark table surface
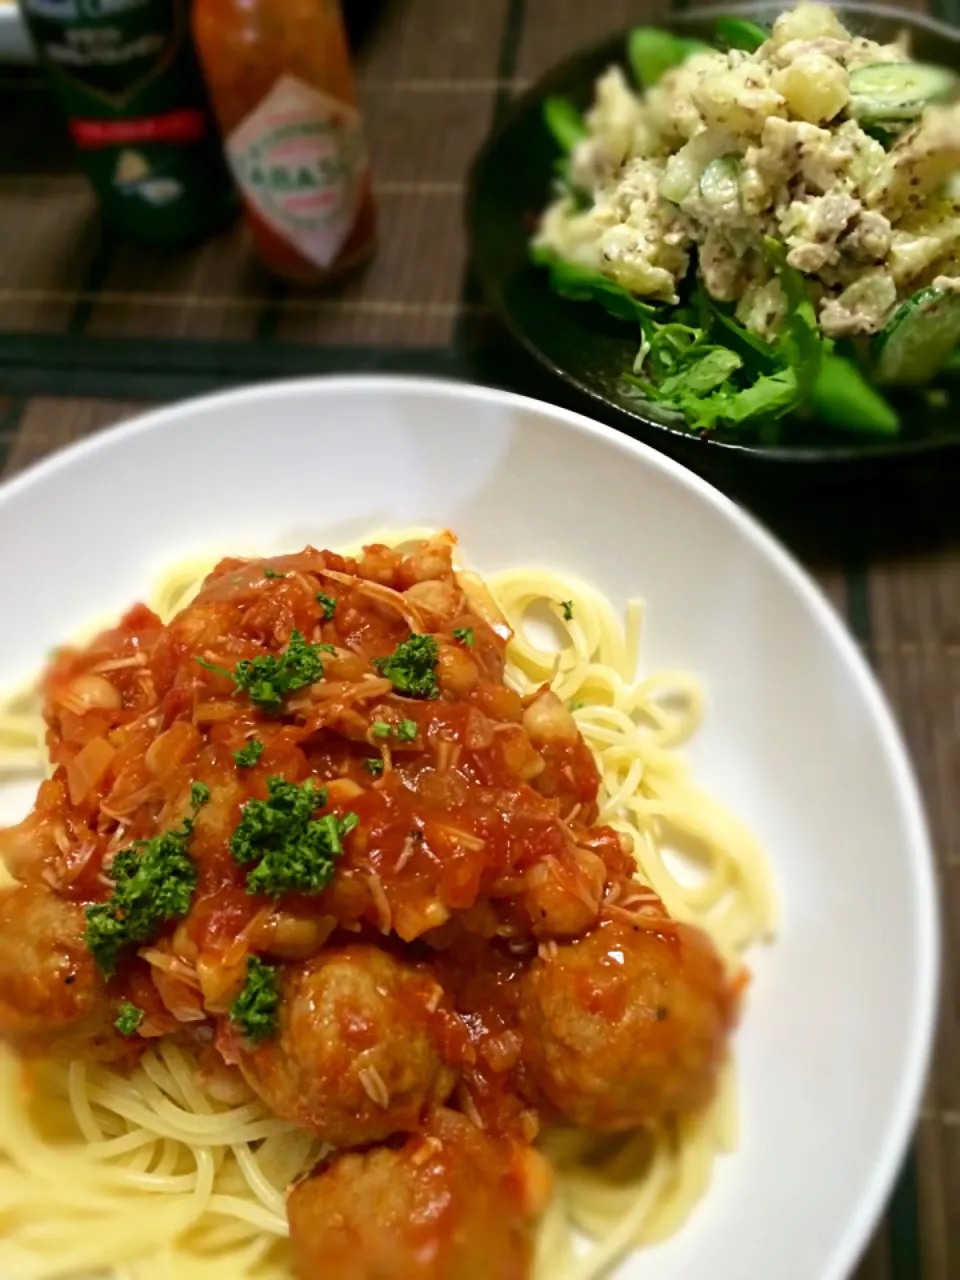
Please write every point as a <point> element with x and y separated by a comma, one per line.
<point>92,330</point>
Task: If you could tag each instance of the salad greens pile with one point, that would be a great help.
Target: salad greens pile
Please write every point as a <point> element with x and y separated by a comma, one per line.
<point>696,363</point>
<point>699,363</point>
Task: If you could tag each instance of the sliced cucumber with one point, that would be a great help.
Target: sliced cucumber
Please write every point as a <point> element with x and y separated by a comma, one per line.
<point>914,344</point>
<point>886,133</point>
<point>842,396</point>
<point>720,180</point>
<point>897,90</point>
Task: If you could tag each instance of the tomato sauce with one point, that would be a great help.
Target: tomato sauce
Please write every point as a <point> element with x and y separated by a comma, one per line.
<point>473,839</point>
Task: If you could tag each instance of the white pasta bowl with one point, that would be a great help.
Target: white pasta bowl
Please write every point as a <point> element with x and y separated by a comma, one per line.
<point>797,738</point>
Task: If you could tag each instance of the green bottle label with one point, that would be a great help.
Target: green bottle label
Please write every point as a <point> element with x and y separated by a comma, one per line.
<point>129,81</point>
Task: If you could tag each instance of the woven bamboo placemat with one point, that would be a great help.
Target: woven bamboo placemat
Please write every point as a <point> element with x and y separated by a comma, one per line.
<point>93,330</point>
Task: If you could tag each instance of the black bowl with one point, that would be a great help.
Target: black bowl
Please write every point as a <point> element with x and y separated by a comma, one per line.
<point>511,183</point>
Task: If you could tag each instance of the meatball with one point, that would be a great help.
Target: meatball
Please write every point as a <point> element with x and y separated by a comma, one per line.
<point>53,1000</point>
<point>355,1057</point>
<point>452,1204</point>
<point>626,1026</point>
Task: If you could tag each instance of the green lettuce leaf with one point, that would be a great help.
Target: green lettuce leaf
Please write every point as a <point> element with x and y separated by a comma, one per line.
<point>582,285</point>
<point>652,52</point>
<point>564,122</point>
<point>740,33</point>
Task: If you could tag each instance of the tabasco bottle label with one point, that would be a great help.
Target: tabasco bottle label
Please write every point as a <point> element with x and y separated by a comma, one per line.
<point>300,160</point>
<point>129,81</point>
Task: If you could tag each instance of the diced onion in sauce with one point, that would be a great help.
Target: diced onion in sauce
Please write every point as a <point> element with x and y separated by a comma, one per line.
<point>87,769</point>
<point>90,692</point>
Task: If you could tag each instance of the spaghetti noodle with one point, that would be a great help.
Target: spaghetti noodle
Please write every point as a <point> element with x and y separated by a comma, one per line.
<point>166,1171</point>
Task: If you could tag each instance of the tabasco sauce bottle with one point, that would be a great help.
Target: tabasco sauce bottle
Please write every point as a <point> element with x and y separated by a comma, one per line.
<point>282,86</point>
<point>128,78</point>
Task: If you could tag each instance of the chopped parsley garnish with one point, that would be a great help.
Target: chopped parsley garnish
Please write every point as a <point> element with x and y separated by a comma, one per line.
<point>374,765</point>
<point>464,635</point>
<point>255,1009</point>
<point>129,1019</point>
<point>153,882</point>
<point>567,608</point>
<point>248,756</point>
<point>273,573</point>
<point>327,603</point>
<point>268,679</point>
<point>412,667</point>
<point>405,731</point>
<point>294,851</point>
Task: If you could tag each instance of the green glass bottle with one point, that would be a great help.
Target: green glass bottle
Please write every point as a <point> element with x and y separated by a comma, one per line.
<point>128,79</point>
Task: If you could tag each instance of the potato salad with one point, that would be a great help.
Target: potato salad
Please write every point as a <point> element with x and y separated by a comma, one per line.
<point>801,166</point>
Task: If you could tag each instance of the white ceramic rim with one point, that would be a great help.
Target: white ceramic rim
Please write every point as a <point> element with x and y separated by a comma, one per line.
<point>873,1195</point>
